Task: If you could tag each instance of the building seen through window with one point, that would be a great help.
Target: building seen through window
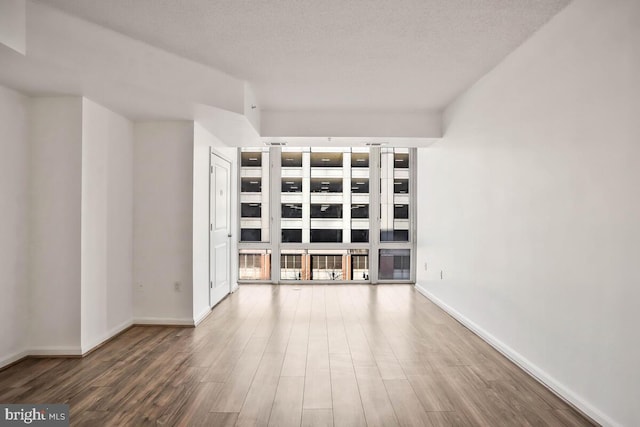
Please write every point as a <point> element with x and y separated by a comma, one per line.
<point>348,201</point>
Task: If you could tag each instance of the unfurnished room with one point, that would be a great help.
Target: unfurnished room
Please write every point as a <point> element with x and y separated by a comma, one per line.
<point>319,213</point>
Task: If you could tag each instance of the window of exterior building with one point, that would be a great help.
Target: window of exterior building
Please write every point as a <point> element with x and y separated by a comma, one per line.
<point>326,185</point>
<point>251,159</point>
<point>291,210</point>
<point>359,185</point>
<point>320,235</point>
<point>327,267</point>
<point>251,185</point>
<point>291,185</point>
<point>291,159</point>
<point>326,210</point>
<point>359,236</point>
<point>250,210</point>
<point>291,235</point>
<point>324,159</point>
<point>359,211</point>
<point>251,235</point>
<point>360,159</point>
<point>360,267</point>
<point>291,267</point>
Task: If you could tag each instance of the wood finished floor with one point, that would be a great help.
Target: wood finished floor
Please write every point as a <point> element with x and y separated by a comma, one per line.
<point>276,356</point>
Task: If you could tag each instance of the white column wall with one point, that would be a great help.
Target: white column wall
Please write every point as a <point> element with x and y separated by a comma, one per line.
<point>55,126</point>
<point>530,208</point>
<point>14,205</point>
<point>163,222</point>
<point>107,224</point>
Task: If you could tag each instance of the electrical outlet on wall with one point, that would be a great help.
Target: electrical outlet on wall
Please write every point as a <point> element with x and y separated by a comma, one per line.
<point>425,266</point>
<point>177,286</point>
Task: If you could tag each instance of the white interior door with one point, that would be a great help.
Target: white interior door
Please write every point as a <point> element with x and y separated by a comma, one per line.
<point>220,230</point>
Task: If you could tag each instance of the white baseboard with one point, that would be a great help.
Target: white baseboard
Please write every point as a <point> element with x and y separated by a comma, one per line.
<point>165,321</point>
<point>203,315</point>
<point>8,360</point>
<point>107,336</point>
<point>55,351</point>
<point>564,393</point>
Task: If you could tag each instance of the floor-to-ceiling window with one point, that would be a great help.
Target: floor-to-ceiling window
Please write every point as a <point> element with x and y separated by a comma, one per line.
<point>326,214</point>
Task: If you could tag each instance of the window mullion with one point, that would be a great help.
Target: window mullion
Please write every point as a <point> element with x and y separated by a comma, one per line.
<point>275,156</point>
<point>374,212</point>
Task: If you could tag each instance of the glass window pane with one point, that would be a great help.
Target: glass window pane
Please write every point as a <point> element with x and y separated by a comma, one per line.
<point>291,159</point>
<point>360,160</point>
<point>401,186</point>
<point>294,265</point>
<point>326,185</point>
<point>291,235</point>
<point>359,195</point>
<point>326,211</point>
<point>326,236</point>
<point>401,160</point>
<point>401,211</point>
<point>327,267</point>
<point>254,195</point>
<point>359,211</point>
<point>394,194</point>
<point>359,236</point>
<point>394,235</point>
<point>254,265</point>
<point>251,159</point>
<point>251,185</point>
<point>394,264</point>
<point>360,185</point>
<point>251,234</point>
<point>291,185</point>
<point>291,267</point>
<point>291,210</point>
<point>326,160</point>
<point>250,210</point>
<point>360,266</point>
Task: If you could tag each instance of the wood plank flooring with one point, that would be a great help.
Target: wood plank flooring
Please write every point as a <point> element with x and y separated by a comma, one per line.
<point>321,355</point>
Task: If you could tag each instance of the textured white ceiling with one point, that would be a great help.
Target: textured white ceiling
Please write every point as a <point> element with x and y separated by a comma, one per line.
<point>333,54</point>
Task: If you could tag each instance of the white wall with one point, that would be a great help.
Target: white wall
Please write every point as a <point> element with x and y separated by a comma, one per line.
<point>55,128</point>
<point>163,222</point>
<point>358,124</point>
<point>530,206</point>
<point>13,18</point>
<point>203,143</point>
<point>14,190</point>
<point>107,217</point>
